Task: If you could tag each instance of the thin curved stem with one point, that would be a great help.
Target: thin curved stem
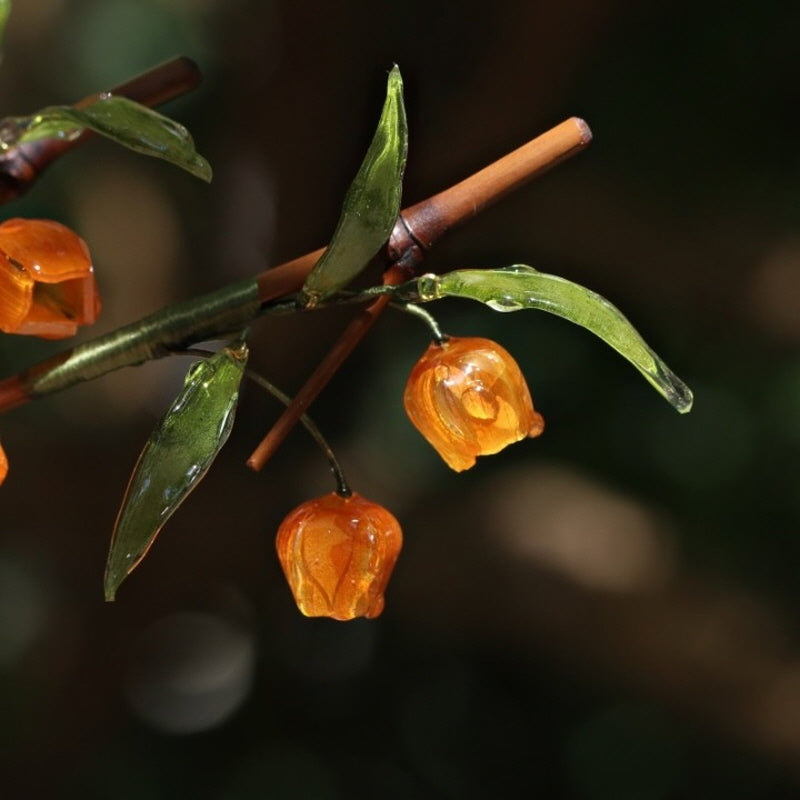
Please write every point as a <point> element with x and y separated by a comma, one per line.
<point>342,486</point>
<point>428,318</point>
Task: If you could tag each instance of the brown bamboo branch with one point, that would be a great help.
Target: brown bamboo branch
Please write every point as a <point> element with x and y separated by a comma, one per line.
<point>430,219</point>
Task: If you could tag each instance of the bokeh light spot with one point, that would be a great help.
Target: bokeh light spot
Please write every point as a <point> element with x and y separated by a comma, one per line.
<point>775,291</point>
<point>587,532</point>
<point>190,672</point>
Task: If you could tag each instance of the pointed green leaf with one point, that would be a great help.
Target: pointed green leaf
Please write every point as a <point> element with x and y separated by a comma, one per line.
<point>127,123</point>
<point>372,202</point>
<point>176,458</point>
<point>519,287</point>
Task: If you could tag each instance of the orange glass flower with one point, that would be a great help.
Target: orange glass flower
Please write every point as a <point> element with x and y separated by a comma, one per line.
<point>3,464</point>
<point>468,398</point>
<point>47,285</point>
<point>337,554</point>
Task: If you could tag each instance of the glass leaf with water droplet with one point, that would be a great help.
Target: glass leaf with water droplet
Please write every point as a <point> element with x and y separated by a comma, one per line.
<point>125,122</point>
<point>522,287</point>
<point>504,303</point>
<point>176,457</point>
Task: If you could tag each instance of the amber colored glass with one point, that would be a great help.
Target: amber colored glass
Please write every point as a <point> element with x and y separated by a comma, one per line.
<point>337,554</point>
<point>468,398</point>
<point>3,464</point>
<point>47,284</point>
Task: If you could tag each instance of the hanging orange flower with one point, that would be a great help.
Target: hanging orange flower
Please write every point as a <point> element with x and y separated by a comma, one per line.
<point>468,398</point>
<point>47,285</point>
<point>337,554</point>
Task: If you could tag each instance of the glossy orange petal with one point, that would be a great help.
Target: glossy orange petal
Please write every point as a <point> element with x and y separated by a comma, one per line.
<point>58,309</point>
<point>468,398</point>
<point>50,251</point>
<point>3,464</point>
<point>16,295</point>
<point>337,554</point>
<point>52,264</point>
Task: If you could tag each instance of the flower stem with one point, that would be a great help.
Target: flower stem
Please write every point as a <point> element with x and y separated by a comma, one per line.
<point>418,311</point>
<point>342,486</point>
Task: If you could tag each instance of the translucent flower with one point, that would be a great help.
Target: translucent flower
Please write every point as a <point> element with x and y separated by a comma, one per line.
<point>337,554</point>
<point>47,285</point>
<point>3,464</point>
<point>468,398</point>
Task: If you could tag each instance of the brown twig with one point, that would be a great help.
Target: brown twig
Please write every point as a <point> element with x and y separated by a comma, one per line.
<point>417,229</point>
<point>325,370</point>
<point>21,165</point>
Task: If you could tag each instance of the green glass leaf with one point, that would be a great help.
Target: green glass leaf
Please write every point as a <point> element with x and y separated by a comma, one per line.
<point>520,287</point>
<point>176,458</point>
<point>371,204</point>
<point>127,123</point>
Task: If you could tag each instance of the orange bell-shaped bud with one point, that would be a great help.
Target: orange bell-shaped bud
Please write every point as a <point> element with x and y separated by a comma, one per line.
<point>337,554</point>
<point>468,398</point>
<point>47,285</point>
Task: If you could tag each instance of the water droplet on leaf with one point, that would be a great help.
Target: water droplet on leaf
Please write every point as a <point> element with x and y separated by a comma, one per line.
<point>504,303</point>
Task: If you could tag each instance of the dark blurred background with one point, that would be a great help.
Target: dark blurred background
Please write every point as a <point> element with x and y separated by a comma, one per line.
<point>610,611</point>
